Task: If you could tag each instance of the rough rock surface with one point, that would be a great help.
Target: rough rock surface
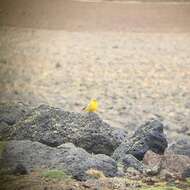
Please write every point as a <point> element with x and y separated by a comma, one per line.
<point>10,113</point>
<point>53,127</point>
<point>186,173</point>
<point>152,159</point>
<point>75,161</point>
<point>149,136</point>
<point>170,163</point>
<point>130,161</point>
<point>181,146</point>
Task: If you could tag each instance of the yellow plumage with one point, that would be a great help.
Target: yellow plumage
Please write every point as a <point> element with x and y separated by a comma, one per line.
<point>92,106</point>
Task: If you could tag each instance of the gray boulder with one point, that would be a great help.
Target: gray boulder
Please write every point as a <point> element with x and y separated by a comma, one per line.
<point>186,173</point>
<point>130,161</point>
<point>149,136</point>
<point>181,146</point>
<point>53,127</point>
<point>72,160</point>
<point>170,163</point>
<point>10,113</point>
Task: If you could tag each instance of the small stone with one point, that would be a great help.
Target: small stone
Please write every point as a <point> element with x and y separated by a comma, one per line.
<point>131,161</point>
<point>152,171</point>
<point>149,181</point>
<point>55,132</point>
<point>186,173</point>
<point>10,113</point>
<point>132,171</point>
<point>167,176</point>
<point>181,146</point>
<point>115,47</point>
<point>86,185</point>
<point>187,105</point>
<point>152,159</point>
<point>58,65</point>
<point>20,170</point>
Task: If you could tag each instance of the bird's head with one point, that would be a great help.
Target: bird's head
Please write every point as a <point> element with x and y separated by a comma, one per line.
<point>94,100</point>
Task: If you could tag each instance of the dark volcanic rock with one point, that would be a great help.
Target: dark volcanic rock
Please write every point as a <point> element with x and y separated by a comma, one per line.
<point>186,173</point>
<point>10,113</point>
<point>149,136</point>
<point>181,146</point>
<point>20,170</point>
<point>130,161</point>
<point>74,161</point>
<point>5,131</point>
<point>53,127</point>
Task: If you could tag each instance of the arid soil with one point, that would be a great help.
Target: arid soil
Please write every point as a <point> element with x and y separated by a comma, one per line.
<point>90,16</point>
<point>134,75</point>
<point>133,57</point>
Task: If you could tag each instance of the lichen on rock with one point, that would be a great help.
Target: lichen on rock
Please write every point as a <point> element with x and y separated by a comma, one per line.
<point>53,127</point>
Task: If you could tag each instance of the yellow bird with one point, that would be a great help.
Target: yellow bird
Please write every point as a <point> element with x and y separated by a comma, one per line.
<point>92,106</point>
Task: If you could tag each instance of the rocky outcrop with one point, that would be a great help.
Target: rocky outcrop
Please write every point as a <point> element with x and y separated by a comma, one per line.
<point>170,164</point>
<point>53,127</point>
<point>149,136</point>
<point>186,173</point>
<point>181,146</point>
<point>10,113</point>
<point>75,161</point>
<point>130,161</point>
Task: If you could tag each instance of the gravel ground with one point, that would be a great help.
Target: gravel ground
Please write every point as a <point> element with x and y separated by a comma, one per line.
<point>135,76</point>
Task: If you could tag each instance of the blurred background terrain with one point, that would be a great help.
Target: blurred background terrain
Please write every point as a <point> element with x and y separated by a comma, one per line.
<point>133,57</point>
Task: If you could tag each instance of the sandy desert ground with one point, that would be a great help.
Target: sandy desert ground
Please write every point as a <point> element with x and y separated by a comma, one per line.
<point>135,72</point>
